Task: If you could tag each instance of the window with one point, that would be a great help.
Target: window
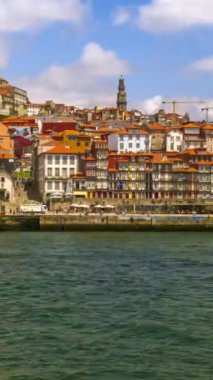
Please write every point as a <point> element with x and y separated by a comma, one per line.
<point>49,160</point>
<point>178,138</point>
<point>64,160</point>
<point>49,172</point>
<point>78,143</point>
<point>138,145</point>
<point>57,172</point>
<point>72,160</point>
<point>69,137</point>
<point>57,185</point>
<point>86,144</point>
<point>49,185</point>
<point>64,172</point>
<point>57,160</point>
<point>130,145</point>
<point>91,173</point>
<point>121,146</point>
<point>72,172</point>
<point>2,179</point>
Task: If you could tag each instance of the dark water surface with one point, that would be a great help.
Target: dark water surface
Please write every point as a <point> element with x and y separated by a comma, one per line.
<point>106,306</point>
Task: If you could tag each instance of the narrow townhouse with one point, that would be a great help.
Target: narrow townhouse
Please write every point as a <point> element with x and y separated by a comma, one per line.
<point>193,137</point>
<point>174,139</point>
<point>162,178</point>
<point>204,180</point>
<point>128,176</point>
<point>208,131</point>
<point>55,167</point>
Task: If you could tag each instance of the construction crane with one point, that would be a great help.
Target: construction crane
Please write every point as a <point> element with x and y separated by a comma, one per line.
<point>175,102</point>
<point>207,112</point>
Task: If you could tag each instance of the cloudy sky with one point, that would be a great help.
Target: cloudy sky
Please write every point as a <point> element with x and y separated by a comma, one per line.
<point>73,51</point>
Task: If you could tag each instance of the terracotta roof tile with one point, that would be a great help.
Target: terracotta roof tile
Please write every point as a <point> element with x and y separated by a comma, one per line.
<point>60,149</point>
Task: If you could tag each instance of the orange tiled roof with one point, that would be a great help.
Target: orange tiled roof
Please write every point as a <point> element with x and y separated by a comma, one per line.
<point>156,126</point>
<point>163,161</point>
<point>90,159</point>
<point>190,125</point>
<point>208,127</point>
<point>179,127</point>
<point>186,170</point>
<point>60,149</point>
<point>206,163</point>
<point>189,151</point>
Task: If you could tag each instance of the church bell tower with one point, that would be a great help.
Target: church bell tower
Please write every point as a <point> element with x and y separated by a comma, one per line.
<point>121,96</point>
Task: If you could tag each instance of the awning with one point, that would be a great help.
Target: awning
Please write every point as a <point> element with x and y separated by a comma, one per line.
<point>99,206</point>
<point>55,195</point>
<point>79,206</point>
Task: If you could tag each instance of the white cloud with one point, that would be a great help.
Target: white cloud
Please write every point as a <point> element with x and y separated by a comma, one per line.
<point>204,65</point>
<point>26,15</point>
<point>22,15</point>
<point>84,83</point>
<point>4,53</point>
<point>175,15</point>
<point>102,62</point>
<point>122,15</point>
<point>151,105</point>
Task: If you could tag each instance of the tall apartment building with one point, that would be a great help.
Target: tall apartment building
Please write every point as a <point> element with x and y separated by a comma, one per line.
<point>55,167</point>
<point>11,98</point>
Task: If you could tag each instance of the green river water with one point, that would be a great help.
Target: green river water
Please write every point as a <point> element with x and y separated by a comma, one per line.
<point>111,306</point>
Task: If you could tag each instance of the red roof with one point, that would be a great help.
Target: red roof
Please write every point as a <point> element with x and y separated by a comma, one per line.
<point>57,126</point>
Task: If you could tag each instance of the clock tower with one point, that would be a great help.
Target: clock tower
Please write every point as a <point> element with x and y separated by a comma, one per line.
<point>121,96</point>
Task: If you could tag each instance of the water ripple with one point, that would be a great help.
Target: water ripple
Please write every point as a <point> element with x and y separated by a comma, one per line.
<point>106,306</point>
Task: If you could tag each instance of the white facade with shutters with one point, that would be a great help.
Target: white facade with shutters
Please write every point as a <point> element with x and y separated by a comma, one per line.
<point>54,171</point>
<point>129,142</point>
<point>174,140</point>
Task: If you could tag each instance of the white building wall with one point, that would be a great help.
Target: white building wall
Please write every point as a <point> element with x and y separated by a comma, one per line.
<point>55,171</point>
<point>33,110</point>
<point>174,141</point>
<point>133,143</point>
<point>124,143</point>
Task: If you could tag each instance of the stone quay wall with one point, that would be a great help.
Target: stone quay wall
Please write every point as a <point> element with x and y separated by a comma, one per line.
<point>107,223</point>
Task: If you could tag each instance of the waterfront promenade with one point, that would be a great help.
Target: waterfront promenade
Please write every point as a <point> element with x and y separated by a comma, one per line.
<point>107,222</point>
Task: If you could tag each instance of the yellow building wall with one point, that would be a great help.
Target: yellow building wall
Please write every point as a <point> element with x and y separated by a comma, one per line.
<point>5,140</point>
<point>80,143</point>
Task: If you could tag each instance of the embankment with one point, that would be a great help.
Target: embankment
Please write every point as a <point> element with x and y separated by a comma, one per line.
<point>107,223</point>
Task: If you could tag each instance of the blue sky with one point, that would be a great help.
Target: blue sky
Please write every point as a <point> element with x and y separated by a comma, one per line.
<point>73,51</point>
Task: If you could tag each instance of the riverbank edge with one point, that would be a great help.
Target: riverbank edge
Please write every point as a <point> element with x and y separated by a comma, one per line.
<point>52,223</point>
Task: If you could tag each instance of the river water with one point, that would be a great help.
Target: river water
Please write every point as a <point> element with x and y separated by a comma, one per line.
<point>109,306</point>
